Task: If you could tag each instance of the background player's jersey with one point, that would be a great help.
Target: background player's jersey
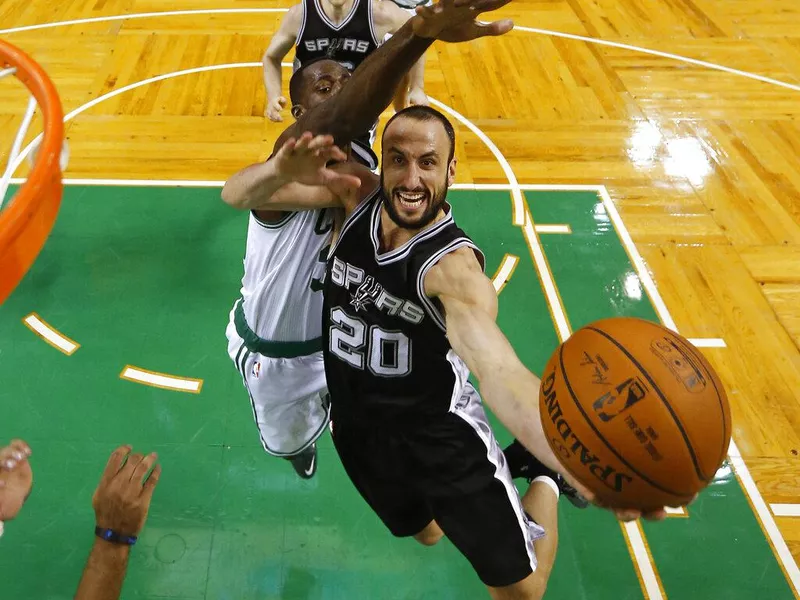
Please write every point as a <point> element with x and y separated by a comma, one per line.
<point>283,270</point>
<point>387,357</point>
<point>348,43</point>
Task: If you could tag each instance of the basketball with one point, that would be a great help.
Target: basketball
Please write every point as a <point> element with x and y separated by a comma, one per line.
<point>635,413</point>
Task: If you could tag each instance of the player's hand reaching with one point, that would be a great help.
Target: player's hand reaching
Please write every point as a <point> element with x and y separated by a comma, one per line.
<point>274,108</point>
<point>306,161</point>
<point>122,498</point>
<point>623,514</point>
<point>455,20</point>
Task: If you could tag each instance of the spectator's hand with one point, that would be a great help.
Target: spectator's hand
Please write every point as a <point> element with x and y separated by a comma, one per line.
<point>16,478</point>
<point>122,497</point>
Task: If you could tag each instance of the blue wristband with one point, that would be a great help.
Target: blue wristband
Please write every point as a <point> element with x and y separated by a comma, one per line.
<point>112,536</point>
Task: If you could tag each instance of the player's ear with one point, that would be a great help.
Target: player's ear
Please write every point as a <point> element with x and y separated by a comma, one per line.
<point>451,172</point>
<point>297,111</point>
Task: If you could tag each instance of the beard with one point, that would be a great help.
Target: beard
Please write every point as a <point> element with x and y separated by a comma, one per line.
<point>434,205</point>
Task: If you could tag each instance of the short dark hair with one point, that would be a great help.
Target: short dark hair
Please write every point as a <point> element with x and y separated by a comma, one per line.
<point>297,86</point>
<point>426,113</point>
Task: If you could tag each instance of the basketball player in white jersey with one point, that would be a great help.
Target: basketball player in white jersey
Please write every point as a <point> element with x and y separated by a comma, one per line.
<point>274,333</point>
<point>345,30</point>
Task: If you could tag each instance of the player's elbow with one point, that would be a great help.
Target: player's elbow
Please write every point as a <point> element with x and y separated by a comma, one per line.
<point>232,196</point>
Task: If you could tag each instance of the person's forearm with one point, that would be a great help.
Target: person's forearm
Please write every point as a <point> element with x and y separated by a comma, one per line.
<point>104,572</point>
<point>252,187</point>
<point>272,77</point>
<point>371,89</point>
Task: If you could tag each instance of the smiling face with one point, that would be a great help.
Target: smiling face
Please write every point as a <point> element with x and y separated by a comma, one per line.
<point>418,168</point>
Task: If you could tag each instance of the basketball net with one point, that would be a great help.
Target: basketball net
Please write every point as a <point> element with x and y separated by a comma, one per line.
<point>27,218</point>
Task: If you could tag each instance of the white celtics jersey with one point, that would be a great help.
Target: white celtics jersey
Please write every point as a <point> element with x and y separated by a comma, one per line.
<point>283,270</point>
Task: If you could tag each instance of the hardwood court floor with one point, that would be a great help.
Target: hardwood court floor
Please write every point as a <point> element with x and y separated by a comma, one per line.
<point>702,165</point>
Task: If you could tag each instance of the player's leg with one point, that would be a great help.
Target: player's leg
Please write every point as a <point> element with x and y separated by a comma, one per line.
<point>369,459</point>
<point>431,535</point>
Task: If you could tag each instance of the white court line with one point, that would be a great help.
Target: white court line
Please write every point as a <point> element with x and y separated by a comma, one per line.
<point>162,380</point>
<point>169,13</point>
<point>547,32</point>
<point>757,500</point>
<point>785,510</point>
<point>50,334</point>
<point>553,229</point>
<point>516,194</point>
<point>674,511</point>
<point>678,57</point>
<point>504,272</point>
<point>708,342</point>
<point>7,72</point>
<point>643,560</point>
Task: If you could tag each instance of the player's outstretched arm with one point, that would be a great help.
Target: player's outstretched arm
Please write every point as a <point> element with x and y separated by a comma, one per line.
<point>510,389</point>
<point>375,81</point>
<point>299,177</point>
<point>278,48</point>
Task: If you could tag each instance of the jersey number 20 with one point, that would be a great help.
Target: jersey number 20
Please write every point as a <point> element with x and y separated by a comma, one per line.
<point>385,353</point>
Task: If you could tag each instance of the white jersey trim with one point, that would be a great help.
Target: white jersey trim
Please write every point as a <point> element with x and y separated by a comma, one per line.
<point>472,413</point>
<point>346,20</point>
<point>404,250</point>
<point>302,30</point>
<point>359,210</point>
<point>372,23</point>
<point>427,303</point>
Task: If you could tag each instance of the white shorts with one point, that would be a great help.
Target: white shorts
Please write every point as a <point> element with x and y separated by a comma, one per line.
<point>289,396</point>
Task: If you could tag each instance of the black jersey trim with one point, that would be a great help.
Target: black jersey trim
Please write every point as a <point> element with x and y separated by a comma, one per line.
<point>404,250</point>
<point>277,224</point>
<point>346,20</point>
<point>359,210</point>
<point>427,304</point>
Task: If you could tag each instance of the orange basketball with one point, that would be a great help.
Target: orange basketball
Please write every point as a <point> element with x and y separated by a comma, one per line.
<point>635,413</point>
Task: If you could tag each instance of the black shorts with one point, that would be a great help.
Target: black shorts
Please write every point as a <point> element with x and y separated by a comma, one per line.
<point>450,470</point>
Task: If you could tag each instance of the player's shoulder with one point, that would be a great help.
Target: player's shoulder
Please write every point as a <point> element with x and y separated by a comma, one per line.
<point>386,12</point>
<point>457,273</point>
<point>294,16</point>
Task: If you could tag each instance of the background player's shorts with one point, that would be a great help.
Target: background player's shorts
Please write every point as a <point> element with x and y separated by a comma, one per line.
<point>403,477</point>
<point>289,396</point>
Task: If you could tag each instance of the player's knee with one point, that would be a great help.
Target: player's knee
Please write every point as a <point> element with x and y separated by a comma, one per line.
<point>429,538</point>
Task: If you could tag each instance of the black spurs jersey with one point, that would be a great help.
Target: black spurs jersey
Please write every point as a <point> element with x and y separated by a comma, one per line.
<point>387,356</point>
<point>348,43</point>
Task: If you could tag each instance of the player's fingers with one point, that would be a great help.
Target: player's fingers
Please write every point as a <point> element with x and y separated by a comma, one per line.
<point>627,515</point>
<point>288,147</point>
<point>143,468</point>
<point>487,5</point>
<point>115,462</point>
<point>20,447</point>
<point>494,28</point>
<point>656,515</point>
<point>337,153</point>
<point>303,141</point>
<point>151,483</point>
<point>320,141</point>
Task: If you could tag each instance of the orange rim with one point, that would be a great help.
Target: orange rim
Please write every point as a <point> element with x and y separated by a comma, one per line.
<point>26,222</point>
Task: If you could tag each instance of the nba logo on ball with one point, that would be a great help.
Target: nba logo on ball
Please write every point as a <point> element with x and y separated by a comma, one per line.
<point>635,413</point>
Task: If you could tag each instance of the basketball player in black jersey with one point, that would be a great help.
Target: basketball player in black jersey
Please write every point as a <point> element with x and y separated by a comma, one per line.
<point>345,30</point>
<point>408,309</point>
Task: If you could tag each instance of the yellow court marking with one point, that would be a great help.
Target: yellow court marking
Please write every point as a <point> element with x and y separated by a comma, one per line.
<point>553,228</point>
<point>504,272</point>
<point>50,334</point>
<point>161,380</point>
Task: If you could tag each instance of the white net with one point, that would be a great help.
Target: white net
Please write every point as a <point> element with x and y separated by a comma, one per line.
<point>16,147</point>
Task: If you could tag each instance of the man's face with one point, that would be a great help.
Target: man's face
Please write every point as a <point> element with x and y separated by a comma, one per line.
<point>415,173</point>
<point>322,81</point>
